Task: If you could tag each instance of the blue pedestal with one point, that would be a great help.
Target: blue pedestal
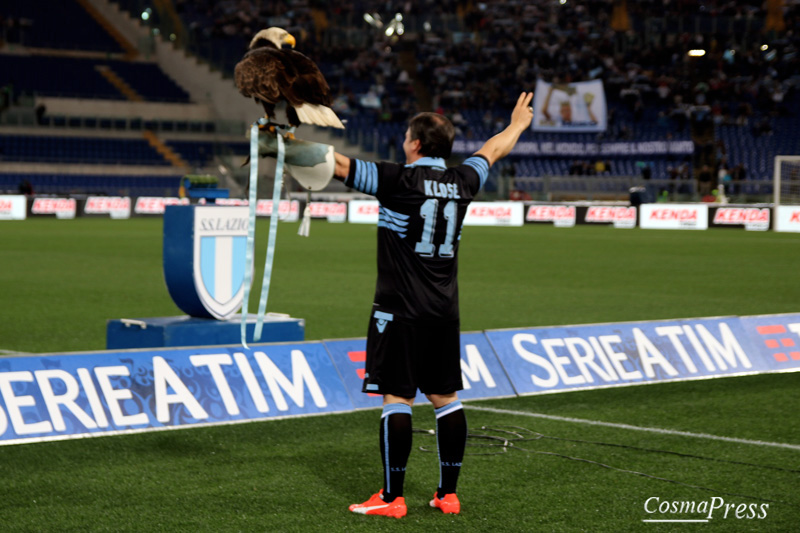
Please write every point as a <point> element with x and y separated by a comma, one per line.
<point>162,332</point>
<point>208,194</point>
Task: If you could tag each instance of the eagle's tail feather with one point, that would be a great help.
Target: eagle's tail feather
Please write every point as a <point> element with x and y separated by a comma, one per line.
<point>319,115</point>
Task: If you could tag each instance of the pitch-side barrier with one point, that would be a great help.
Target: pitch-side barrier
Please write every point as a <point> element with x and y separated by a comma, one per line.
<point>72,395</point>
<point>690,216</point>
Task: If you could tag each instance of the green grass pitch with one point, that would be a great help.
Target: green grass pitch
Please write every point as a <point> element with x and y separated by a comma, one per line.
<point>61,281</point>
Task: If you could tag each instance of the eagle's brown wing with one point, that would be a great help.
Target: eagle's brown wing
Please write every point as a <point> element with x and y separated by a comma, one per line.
<point>270,75</point>
<point>262,74</point>
<point>308,85</point>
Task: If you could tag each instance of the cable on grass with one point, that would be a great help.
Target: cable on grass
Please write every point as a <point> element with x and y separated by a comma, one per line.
<point>500,439</point>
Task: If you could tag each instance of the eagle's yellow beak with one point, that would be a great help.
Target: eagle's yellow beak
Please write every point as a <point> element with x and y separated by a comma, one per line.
<point>289,39</point>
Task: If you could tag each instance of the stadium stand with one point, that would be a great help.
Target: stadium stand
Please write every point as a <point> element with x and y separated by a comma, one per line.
<point>466,60</point>
<point>474,59</point>
<point>72,147</point>
<point>65,25</point>
<point>202,153</point>
<point>76,77</point>
<point>84,150</point>
<point>148,80</point>
<point>110,184</point>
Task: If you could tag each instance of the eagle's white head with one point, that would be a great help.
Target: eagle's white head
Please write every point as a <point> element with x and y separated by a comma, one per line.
<point>277,36</point>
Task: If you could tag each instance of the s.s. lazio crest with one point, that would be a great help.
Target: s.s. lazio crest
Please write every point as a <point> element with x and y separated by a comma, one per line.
<point>204,258</point>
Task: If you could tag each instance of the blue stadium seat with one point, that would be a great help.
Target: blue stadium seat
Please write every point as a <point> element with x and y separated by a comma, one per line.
<point>53,25</point>
<point>85,150</point>
<point>93,184</point>
<point>79,78</point>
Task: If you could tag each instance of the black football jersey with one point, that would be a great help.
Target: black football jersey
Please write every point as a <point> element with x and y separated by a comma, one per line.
<point>422,208</point>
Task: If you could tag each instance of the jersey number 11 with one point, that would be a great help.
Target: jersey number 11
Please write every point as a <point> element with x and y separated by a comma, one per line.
<point>429,211</point>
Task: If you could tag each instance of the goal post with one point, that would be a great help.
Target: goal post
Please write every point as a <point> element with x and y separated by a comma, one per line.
<point>786,180</point>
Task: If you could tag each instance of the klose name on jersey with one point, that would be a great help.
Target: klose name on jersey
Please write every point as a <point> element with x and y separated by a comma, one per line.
<point>441,190</point>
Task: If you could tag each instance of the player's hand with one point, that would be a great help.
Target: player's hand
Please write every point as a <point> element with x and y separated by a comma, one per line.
<point>522,115</point>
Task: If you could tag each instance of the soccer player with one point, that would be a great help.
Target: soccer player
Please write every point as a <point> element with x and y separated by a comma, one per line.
<point>413,341</point>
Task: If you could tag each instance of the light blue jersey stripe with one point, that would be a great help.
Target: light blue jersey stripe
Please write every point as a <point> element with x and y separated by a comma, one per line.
<point>358,177</point>
<point>393,220</point>
<point>371,178</point>
<point>366,177</point>
<point>401,232</point>
<point>433,162</point>
<point>481,166</point>
<point>394,216</point>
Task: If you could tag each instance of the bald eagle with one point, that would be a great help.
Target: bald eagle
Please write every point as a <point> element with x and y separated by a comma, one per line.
<point>269,73</point>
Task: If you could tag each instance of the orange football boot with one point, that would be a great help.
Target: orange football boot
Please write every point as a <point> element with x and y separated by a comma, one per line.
<point>376,506</point>
<point>449,504</point>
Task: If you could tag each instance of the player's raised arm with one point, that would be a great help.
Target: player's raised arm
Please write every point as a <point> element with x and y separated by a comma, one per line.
<point>501,144</point>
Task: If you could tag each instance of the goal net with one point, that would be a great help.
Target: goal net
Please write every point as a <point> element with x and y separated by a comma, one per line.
<point>786,180</point>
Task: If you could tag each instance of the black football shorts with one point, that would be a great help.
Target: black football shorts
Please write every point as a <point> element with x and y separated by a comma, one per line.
<point>403,357</point>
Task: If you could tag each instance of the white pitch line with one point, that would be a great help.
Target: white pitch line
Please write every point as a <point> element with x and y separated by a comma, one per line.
<point>636,428</point>
<point>12,352</point>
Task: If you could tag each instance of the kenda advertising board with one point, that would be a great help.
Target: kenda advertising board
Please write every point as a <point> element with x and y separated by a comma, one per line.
<point>567,215</point>
<point>13,207</point>
<point>332,211</point>
<point>619,216</point>
<point>749,218</point>
<point>288,210</point>
<point>363,211</point>
<point>561,216</point>
<point>70,395</point>
<point>673,216</point>
<point>787,218</point>
<point>114,206</point>
<point>64,208</point>
<point>550,359</point>
<point>494,214</point>
<point>155,205</point>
